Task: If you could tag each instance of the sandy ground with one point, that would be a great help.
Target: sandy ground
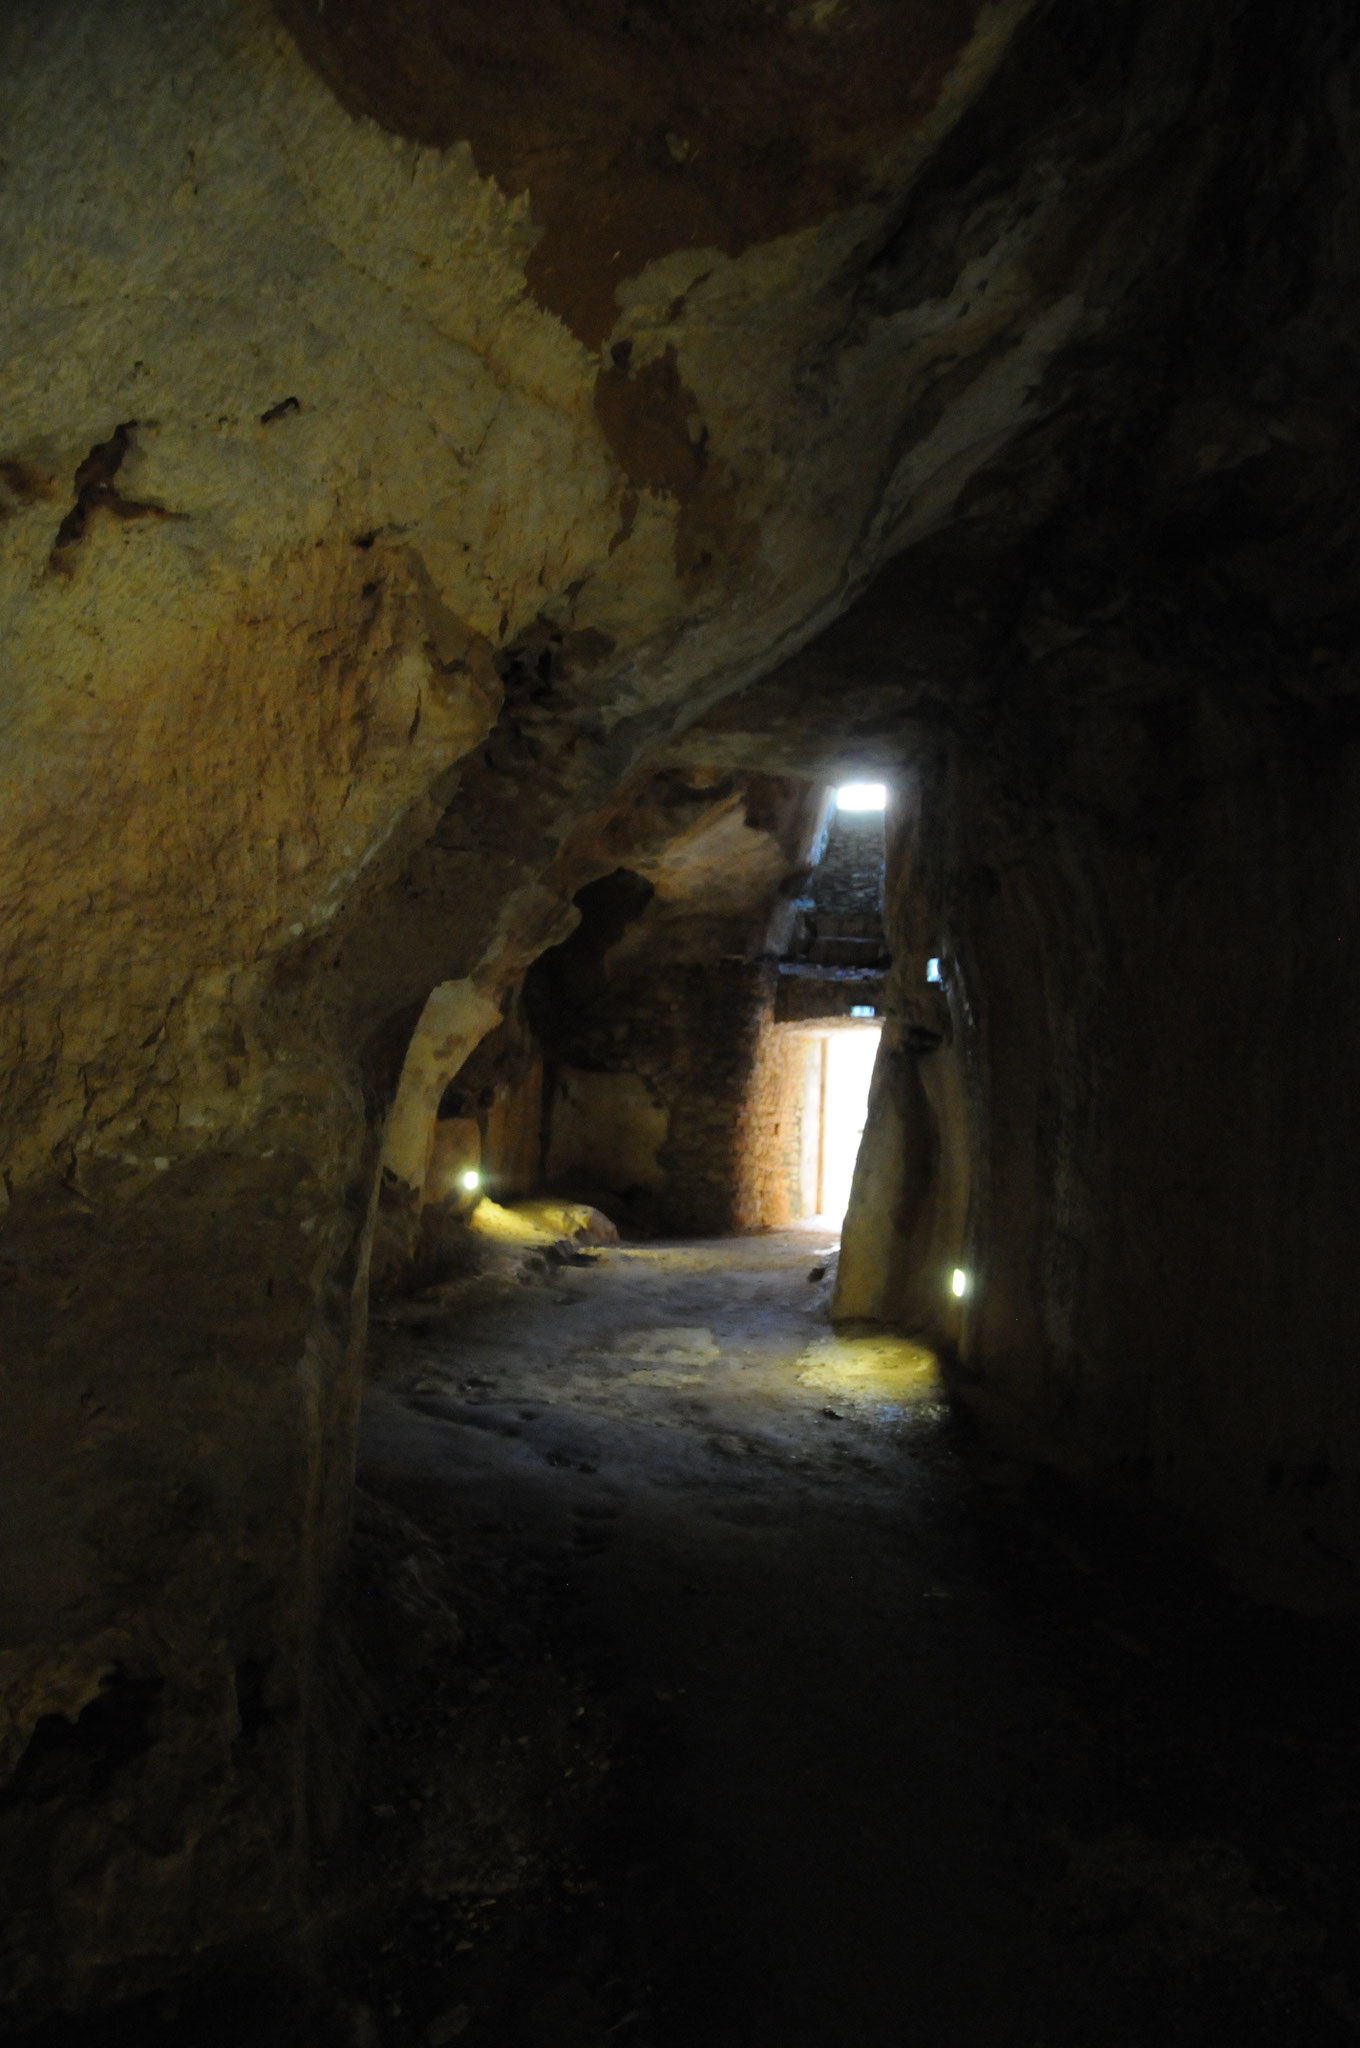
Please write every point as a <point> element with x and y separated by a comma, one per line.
<point>780,1712</point>
<point>808,1720</point>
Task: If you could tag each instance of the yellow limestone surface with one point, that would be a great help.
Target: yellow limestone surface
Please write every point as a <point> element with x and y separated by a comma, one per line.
<point>542,1222</point>
<point>877,1369</point>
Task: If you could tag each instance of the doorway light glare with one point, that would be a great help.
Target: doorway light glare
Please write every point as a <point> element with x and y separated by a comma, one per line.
<point>471,1179</point>
<point>959,1283</point>
<point>861,796</point>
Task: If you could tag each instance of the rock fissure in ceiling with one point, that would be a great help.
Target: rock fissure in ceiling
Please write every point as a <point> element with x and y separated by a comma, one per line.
<point>96,491</point>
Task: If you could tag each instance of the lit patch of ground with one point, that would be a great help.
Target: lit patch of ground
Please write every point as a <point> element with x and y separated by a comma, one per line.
<point>877,1369</point>
<point>786,1715</point>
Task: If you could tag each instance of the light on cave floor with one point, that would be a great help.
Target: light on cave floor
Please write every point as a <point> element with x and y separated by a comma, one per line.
<point>959,1283</point>
<point>873,1372</point>
<point>470,1179</point>
<point>861,796</point>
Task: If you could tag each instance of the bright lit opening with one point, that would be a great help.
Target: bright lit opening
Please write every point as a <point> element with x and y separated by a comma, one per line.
<point>835,1110</point>
<point>933,971</point>
<point>471,1179</point>
<point>861,796</point>
<point>959,1283</point>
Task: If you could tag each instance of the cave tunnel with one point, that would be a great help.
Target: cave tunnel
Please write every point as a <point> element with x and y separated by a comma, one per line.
<point>677,1084</point>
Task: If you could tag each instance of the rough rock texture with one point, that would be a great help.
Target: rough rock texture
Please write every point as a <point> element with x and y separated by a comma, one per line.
<point>402,447</point>
<point>654,1015</point>
<point>1129,1110</point>
<point>641,134</point>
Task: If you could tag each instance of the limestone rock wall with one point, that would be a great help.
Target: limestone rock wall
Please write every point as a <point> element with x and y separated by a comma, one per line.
<point>1127,1114</point>
<point>1171,1172</point>
<point>1130,839</point>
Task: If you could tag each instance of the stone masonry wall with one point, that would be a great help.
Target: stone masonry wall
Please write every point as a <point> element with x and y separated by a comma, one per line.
<point>848,880</point>
<point>693,1033</point>
<point>769,1185</point>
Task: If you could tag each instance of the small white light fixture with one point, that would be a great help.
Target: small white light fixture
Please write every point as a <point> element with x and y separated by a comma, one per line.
<point>861,796</point>
<point>471,1179</point>
<point>959,1283</point>
<point>933,971</point>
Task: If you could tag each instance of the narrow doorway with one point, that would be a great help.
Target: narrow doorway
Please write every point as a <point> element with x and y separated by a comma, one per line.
<point>838,1071</point>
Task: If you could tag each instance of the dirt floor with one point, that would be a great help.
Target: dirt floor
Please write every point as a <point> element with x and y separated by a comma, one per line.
<point>725,1691</point>
<point>788,1713</point>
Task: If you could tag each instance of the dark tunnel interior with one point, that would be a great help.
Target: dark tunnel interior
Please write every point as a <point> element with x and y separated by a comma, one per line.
<point>679,715</point>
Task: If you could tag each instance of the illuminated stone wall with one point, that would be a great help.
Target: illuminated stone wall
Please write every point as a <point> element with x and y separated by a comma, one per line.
<point>770,1190</point>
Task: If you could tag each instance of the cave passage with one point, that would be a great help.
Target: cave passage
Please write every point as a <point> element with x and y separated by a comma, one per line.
<point>566,569</point>
<point>787,1714</point>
